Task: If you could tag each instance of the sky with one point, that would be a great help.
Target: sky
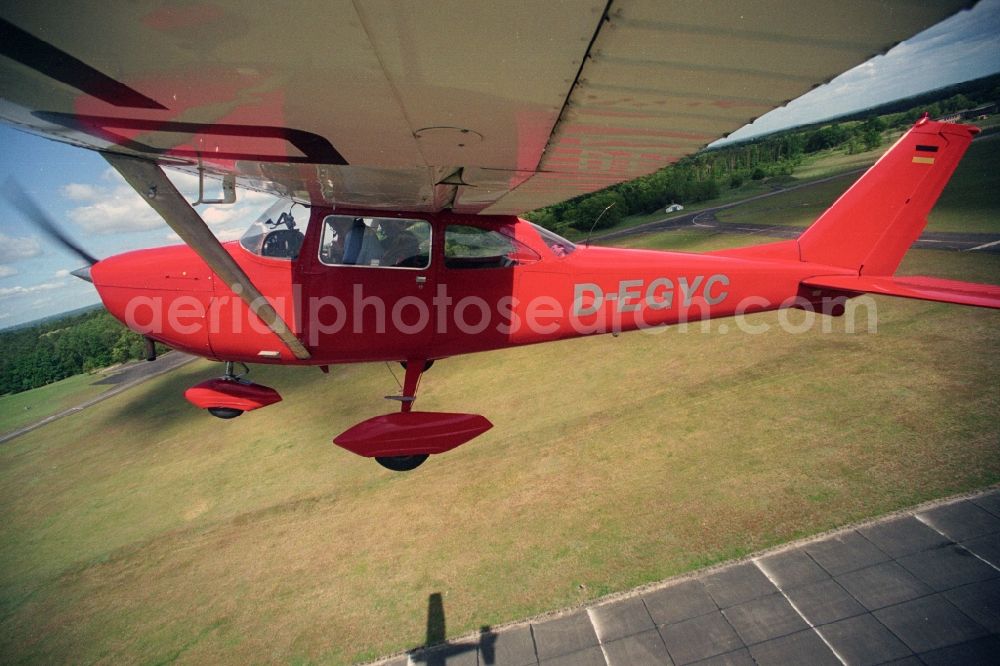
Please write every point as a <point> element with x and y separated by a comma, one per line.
<point>95,205</point>
<point>963,47</point>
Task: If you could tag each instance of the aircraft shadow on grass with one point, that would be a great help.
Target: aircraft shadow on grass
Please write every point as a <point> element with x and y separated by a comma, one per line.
<point>435,652</point>
<point>159,403</point>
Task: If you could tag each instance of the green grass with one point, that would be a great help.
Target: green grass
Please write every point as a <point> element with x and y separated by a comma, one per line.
<point>143,530</point>
<point>795,208</point>
<point>835,161</point>
<point>820,165</point>
<point>750,189</point>
<point>971,199</point>
<point>694,239</point>
<point>969,202</point>
<point>20,409</point>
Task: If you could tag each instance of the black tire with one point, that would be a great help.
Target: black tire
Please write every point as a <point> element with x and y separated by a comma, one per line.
<point>224,412</point>
<point>401,463</point>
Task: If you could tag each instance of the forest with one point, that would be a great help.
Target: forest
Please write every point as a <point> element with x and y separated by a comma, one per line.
<point>708,174</point>
<point>61,347</point>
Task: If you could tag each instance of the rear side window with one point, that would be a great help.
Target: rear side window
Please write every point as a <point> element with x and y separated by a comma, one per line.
<point>472,247</point>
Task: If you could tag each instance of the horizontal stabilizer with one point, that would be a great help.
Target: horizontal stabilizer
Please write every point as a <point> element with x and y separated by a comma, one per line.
<point>916,286</point>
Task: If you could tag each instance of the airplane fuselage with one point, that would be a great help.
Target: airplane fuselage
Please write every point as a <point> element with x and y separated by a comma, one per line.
<point>349,313</point>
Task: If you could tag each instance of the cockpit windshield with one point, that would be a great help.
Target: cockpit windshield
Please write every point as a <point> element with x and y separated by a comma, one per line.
<point>275,234</point>
<point>559,245</point>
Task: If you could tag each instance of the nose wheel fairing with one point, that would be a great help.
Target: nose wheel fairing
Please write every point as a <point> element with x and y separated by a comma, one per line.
<point>230,394</point>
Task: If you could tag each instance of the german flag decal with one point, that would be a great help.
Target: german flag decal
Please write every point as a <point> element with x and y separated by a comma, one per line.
<point>925,158</point>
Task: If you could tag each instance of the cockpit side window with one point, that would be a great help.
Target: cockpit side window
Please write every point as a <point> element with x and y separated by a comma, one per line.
<point>384,242</point>
<point>472,247</point>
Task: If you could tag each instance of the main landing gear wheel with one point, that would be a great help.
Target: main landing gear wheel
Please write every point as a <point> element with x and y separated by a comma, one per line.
<point>224,412</point>
<point>401,463</point>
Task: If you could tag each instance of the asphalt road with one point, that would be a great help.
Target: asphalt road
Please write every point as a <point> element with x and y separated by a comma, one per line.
<point>706,219</point>
<point>125,378</point>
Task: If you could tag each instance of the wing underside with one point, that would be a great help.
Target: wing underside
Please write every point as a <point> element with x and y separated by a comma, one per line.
<point>493,108</point>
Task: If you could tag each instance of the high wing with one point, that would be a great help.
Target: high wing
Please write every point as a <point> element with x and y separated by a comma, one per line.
<point>484,107</point>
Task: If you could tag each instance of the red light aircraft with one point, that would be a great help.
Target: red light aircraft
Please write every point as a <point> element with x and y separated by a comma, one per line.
<point>408,247</point>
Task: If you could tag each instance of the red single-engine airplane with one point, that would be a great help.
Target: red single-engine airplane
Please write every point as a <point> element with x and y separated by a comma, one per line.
<point>411,250</point>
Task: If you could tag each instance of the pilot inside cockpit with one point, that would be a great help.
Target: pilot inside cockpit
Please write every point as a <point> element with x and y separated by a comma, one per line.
<point>381,242</point>
<point>401,246</point>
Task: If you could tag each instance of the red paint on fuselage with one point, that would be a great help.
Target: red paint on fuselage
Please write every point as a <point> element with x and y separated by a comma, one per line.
<point>170,294</point>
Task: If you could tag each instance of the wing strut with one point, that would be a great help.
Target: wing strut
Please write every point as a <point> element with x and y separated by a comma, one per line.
<point>148,179</point>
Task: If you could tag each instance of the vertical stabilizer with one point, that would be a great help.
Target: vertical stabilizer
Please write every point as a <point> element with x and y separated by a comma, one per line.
<point>872,225</point>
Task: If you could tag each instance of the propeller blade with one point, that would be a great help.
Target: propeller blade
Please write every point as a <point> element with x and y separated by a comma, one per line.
<point>22,201</point>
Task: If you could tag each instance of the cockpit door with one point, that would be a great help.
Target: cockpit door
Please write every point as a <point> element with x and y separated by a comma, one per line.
<point>368,294</point>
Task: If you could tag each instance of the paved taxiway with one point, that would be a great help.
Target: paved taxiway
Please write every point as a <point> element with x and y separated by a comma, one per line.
<point>123,379</point>
<point>918,587</point>
<point>705,219</point>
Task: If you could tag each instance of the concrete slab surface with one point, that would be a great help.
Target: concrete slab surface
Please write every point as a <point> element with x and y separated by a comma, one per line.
<point>917,587</point>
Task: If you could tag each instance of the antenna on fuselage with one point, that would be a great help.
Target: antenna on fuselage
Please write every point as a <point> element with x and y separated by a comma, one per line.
<point>594,225</point>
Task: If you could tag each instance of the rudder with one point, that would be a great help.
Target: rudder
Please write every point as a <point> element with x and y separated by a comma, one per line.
<point>872,225</point>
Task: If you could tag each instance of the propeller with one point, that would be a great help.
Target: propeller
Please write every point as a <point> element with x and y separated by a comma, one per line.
<point>23,202</point>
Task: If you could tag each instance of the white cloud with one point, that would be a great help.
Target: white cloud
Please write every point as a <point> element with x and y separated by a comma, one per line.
<point>63,272</point>
<point>81,192</point>
<point>7,292</point>
<point>15,248</point>
<point>113,207</point>
<point>120,210</point>
<point>216,215</point>
<point>229,234</point>
<point>7,271</point>
<point>111,175</point>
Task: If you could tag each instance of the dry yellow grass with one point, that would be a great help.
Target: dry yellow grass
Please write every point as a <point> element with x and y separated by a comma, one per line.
<point>142,530</point>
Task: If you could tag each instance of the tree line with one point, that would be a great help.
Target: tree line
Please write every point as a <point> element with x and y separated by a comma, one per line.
<point>58,348</point>
<point>708,174</point>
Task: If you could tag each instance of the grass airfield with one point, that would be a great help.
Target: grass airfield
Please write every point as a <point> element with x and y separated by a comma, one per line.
<point>20,409</point>
<point>968,204</point>
<point>142,530</point>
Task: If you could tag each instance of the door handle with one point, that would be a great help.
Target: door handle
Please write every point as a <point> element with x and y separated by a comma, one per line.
<point>421,279</point>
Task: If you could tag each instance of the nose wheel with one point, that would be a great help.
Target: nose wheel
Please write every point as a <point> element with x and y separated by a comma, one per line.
<point>230,395</point>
